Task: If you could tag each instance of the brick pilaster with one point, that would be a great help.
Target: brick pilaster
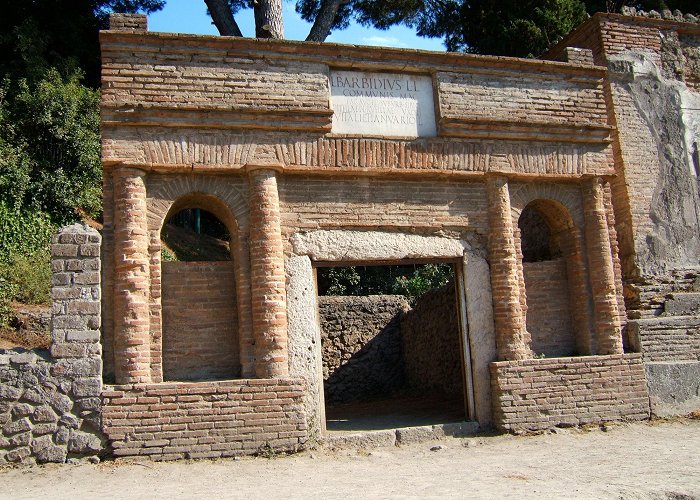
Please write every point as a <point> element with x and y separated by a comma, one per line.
<point>512,338</point>
<point>269,300</point>
<point>601,271</point>
<point>131,278</point>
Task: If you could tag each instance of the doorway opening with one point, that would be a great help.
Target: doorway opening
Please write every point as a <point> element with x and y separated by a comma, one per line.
<point>393,345</point>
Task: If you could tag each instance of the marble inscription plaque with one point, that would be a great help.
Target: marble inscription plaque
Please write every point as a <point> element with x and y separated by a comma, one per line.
<point>383,104</point>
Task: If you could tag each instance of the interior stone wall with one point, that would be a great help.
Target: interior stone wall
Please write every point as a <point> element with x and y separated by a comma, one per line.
<point>431,345</point>
<point>361,346</point>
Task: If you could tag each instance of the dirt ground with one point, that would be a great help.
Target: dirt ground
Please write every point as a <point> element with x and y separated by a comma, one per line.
<point>657,460</point>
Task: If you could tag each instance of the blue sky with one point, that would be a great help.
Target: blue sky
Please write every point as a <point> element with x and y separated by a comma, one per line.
<point>190,16</point>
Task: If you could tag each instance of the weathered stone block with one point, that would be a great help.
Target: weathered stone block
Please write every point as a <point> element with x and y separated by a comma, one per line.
<point>21,425</point>
<point>22,439</point>
<point>44,413</point>
<point>22,410</point>
<point>81,442</point>
<point>87,387</point>
<point>9,393</point>
<point>60,402</point>
<point>18,455</point>
<point>53,453</point>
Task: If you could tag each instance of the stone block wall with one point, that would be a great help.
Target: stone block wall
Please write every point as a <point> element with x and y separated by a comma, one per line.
<point>361,346</point>
<point>431,344</point>
<point>205,419</point>
<point>50,402</point>
<point>541,393</point>
<point>200,321</point>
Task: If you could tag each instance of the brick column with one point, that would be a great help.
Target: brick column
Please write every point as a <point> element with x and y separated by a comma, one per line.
<point>268,294</point>
<point>131,278</point>
<point>601,271</point>
<point>512,338</point>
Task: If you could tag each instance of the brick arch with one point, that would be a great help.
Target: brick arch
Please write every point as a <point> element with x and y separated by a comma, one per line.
<point>560,284</point>
<point>163,192</point>
<point>553,200</point>
<point>225,198</point>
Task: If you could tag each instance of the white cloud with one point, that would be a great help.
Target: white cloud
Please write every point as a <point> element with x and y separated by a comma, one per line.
<point>383,41</point>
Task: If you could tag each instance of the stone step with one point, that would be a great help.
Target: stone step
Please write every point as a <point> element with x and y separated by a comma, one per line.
<point>398,437</point>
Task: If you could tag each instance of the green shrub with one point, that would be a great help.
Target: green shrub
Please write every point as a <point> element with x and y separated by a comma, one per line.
<point>26,279</point>
<point>23,232</point>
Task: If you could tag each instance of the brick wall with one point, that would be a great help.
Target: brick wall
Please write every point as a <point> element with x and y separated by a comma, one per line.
<point>204,419</point>
<point>309,203</point>
<point>667,338</point>
<point>432,349</point>
<point>525,97</point>
<point>541,393</point>
<point>200,321</point>
<point>210,77</point>
<point>361,346</point>
<point>620,36</point>
<point>548,308</point>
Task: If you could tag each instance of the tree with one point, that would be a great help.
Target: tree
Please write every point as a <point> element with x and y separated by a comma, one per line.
<point>61,34</point>
<point>325,15</point>
<point>501,27</point>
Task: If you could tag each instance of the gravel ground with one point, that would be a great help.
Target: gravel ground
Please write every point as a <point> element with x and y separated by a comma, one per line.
<point>638,461</point>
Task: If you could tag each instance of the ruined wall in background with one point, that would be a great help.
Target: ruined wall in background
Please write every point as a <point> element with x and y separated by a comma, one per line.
<point>361,346</point>
<point>50,401</point>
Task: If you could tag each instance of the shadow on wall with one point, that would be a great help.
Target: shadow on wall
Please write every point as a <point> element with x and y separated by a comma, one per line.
<point>361,346</point>
<point>377,346</point>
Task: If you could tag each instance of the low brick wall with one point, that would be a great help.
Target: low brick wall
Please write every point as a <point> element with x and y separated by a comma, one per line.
<point>661,339</point>
<point>541,393</point>
<point>361,346</point>
<point>171,421</point>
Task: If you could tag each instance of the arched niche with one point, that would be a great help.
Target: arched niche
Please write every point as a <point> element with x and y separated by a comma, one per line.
<point>200,317</point>
<point>554,284</point>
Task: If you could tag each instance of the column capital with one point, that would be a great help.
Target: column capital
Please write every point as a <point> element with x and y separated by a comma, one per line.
<point>255,167</point>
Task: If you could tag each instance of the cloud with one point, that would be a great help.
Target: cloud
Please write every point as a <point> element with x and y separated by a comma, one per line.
<point>383,41</point>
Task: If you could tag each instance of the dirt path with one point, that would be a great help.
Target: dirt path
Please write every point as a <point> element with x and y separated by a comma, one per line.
<point>659,460</point>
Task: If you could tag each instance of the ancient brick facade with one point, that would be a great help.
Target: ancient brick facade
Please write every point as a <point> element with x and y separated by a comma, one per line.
<point>653,101</point>
<point>212,124</point>
<point>602,147</point>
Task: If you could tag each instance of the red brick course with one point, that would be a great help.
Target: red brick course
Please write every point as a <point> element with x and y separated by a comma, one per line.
<point>200,321</point>
<point>173,421</point>
<point>541,393</point>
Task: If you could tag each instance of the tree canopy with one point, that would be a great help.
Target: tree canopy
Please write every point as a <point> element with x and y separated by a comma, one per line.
<point>500,27</point>
<point>62,34</point>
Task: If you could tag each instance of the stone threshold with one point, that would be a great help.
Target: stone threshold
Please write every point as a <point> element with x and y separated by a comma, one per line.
<point>398,437</point>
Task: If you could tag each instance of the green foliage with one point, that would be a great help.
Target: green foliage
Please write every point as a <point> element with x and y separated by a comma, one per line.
<point>26,279</point>
<point>22,233</point>
<point>32,276</point>
<point>411,281</point>
<point>523,28</point>
<point>50,147</point>
<point>339,281</point>
<point>424,278</point>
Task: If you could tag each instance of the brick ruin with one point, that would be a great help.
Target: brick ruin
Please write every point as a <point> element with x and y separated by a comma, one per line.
<point>563,192</point>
